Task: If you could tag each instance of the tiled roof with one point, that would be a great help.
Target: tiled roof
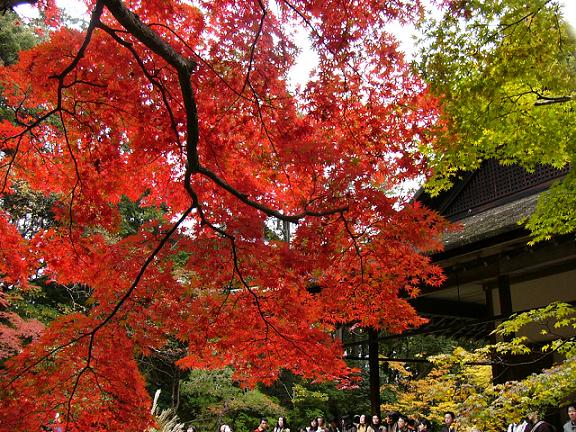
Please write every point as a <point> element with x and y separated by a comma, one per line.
<point>491,222</point>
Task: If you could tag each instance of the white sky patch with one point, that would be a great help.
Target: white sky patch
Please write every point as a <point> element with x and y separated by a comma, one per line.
<point>306,61</point>
<point>569,8</point>
<point>74,8</point>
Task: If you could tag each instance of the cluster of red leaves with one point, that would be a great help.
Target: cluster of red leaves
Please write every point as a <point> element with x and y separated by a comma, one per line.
<point>31,400</point>
<point>111,118</point>
<point>15,331</point>
<point>16,262</point>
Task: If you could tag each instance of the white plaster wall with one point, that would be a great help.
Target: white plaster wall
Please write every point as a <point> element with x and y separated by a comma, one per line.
<point>543,291</point>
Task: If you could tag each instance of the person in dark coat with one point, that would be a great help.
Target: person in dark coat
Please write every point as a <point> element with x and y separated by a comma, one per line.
<point>537,425</point>
<point>449,426</point>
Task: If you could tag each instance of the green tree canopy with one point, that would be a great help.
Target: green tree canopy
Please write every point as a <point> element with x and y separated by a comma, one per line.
<point>14,37</point>
<point>505,71</point>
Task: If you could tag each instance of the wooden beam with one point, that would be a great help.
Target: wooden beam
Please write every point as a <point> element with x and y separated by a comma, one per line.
<point>521,262</point>
<point>449,308</point>
<point>412,360</point>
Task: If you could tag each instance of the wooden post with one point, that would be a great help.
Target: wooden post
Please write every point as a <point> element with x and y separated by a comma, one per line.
<point>502,373</point>
<point>374,366</point>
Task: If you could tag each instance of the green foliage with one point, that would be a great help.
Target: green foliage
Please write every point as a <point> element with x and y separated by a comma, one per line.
<point>419,347</point>
<point>303,395</point>
<point>556,210</point>
<point>309,402</point>
<point>134,215</point>
<point>327,400</point>
<point>46,301</point>
<point>14,37</point>
<point>551,322</point>
<point>305,400</point>
<point>506,74</point>
<point>210,398</point>
<point>462,380</point>
<point>29,210</point>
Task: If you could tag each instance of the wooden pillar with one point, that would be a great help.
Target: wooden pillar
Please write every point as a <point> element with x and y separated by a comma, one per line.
<point>374,365</point>
<point>501,373</point>
<point>488,293</point>
<point>505,296</point>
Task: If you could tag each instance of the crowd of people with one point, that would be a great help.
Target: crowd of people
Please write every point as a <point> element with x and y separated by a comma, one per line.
<point>393,422</point>
<point>396,422</point>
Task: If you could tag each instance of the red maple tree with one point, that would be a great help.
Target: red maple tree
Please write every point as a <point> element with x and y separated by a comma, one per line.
<point>186,106</point>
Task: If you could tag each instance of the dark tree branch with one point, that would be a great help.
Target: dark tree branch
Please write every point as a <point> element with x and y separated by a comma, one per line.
<point>156,83</point>
<point>253,46</point>
<point>77,183</point>
<point>204,62</point>
<point>357,248</point>
<point>549,100</point>
<point>184,67</point>
<point>239,273</point>
<point>506,26</point>
<point>147,36</point>
<point>295,218</point>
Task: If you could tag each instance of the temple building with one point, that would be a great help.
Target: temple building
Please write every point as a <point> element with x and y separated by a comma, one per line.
<point>492,271</point>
